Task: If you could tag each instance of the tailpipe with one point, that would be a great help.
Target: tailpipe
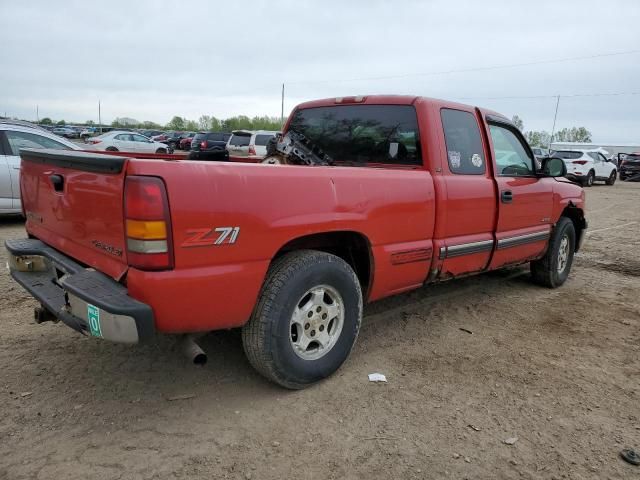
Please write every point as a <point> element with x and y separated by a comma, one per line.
<point>192,350</point>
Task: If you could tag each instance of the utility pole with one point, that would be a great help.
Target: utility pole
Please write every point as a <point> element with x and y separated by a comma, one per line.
<point>553,130</point>
<point>37,115</point>
<point>282,108</point>
<point>99,118</point>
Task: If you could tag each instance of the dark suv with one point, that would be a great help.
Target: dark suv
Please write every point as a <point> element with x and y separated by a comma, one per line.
<point>630,167</point>
<point>209,146</point>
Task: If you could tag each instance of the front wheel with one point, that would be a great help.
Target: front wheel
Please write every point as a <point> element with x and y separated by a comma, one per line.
<point>612,178</point>
<point>553,269</point>
<point>306,321</point>
<point>161,151</point>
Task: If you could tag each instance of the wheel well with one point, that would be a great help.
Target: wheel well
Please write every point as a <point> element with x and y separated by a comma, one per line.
<point>352,247</point>
<point>576,215</point>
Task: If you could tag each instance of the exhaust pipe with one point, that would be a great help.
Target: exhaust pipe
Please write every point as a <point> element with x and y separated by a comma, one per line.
<point>192,350</point>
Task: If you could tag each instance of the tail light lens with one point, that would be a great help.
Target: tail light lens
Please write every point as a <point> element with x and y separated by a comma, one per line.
<point>94,141</point>
<point>147,223</point>
<point>203,145</point>
<point>579,162</point>
<point>252,150</point>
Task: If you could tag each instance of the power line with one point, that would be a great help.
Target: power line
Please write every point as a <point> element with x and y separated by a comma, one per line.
<point>466,70</point>
<point>571,95</point>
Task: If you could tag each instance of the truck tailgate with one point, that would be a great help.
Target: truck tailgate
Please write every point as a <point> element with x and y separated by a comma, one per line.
<point>73,201</point>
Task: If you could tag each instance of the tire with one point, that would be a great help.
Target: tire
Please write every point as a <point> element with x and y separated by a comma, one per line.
<point>612,178</point>
<point>161,151</point>
<point>298,285</point>
<point>548,271</point>
<point>111,149</point>
<point>588,181</point>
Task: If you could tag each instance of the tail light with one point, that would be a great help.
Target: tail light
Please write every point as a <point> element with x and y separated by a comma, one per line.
<point>252,150</point>
<point>147,223</point>
<point>203,145</point>
<point>93,141</point>
<point>579,162</point>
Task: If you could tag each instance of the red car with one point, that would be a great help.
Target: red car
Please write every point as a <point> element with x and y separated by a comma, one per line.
<point>185,143</point>
<point>383,194</point>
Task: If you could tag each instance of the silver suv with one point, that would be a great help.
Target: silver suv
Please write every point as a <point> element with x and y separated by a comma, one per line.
<point>15,135</point>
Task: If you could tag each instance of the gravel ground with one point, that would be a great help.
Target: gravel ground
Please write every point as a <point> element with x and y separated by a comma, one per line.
<point>557,369</point>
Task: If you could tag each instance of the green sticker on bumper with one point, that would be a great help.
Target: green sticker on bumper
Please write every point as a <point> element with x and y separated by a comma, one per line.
<point>93,314</point>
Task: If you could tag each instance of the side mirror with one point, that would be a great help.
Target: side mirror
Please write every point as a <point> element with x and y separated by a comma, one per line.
<point>553,167</point>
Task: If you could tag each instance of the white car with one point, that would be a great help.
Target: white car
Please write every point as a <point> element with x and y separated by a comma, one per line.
<point>587,166</point>
<point>245,143</point>
<point>15,135</point>
<point>121,141</point>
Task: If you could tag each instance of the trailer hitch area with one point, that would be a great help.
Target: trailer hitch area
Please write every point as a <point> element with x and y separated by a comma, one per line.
<point>294,148</point>
<point>41,315</point>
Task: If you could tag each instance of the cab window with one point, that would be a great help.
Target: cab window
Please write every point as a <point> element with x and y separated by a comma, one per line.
<point>464,144</point>
<point>512,158</point>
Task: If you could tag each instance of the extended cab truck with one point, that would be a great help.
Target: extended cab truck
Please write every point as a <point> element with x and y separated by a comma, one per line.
<point>420,190</point>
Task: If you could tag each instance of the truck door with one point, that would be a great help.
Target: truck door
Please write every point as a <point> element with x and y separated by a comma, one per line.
<point>525,201</point>
<point>465,229</point>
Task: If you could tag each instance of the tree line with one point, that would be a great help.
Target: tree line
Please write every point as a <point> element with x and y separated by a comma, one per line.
<point>542,138</point>
<point>204,123</point>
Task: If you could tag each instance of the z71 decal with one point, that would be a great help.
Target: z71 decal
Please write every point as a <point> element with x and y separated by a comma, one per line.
<point>203,237</point>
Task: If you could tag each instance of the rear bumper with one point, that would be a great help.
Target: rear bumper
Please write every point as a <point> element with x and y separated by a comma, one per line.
<point>84,299</point>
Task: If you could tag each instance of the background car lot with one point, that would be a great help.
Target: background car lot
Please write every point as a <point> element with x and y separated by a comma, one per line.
<point>546,366</point>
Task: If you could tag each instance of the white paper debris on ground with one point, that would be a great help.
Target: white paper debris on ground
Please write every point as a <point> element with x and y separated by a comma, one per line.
<point>377,377</point>
<point>511,440</point>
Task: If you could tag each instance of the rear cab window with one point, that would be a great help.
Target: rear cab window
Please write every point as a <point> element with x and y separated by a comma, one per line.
<point>362,134</point>
<point>465,153</point>
<point>567,154</point>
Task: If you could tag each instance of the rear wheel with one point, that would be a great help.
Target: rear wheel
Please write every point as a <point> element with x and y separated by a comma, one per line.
<point>161,150</point>
<point>553,269</point>
<point>111,149</point>
<point>306,321</point>
<point>588,181</point>
<point>612,178</point>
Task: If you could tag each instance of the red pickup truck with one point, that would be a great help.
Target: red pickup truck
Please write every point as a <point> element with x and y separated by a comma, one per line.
<point>412,190</point>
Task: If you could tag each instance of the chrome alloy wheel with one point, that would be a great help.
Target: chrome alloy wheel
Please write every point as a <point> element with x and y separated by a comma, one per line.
<point>563,253</point>
<point>316,322</point>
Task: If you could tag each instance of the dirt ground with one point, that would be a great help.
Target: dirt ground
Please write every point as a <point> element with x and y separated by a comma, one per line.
<point>558,369</point>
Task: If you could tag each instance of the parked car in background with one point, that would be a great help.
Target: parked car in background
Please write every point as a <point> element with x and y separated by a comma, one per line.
<point>88,132</point>
<point>65,132</point>
<point>185,141</point>
<point>587,166</point>
<point>123,141</point>
<point>245,143</point>
<point>209,146</point>
<point>173,138</point>
<point>151,133</point>
<point>161,137</point>
<point>15,135</point>
<point>630,167</point>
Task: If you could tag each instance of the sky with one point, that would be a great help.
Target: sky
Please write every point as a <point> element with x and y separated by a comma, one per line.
<point>151,60</point>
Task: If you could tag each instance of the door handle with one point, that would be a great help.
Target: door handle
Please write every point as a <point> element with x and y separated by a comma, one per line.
<point>57,181</point>
<point>506,196</point>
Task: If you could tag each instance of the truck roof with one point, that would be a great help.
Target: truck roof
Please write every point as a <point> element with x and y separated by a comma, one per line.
<point>392,100</point>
